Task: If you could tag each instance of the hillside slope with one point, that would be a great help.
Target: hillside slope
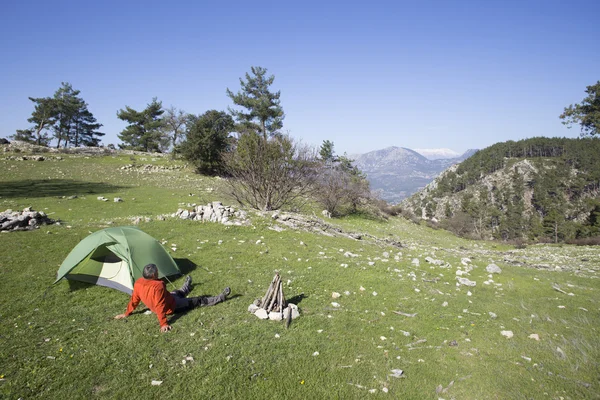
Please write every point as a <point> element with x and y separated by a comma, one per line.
<point>535,188</point>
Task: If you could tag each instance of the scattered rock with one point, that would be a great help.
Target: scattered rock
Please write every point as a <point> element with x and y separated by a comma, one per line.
<point>492,315</point>
<point>396,373</point>
<point>493,269</point>
<point>118,200</point>
<point>534,336</point>
<point>335,295</point>
<point>28,219</point>
<point>507,334</point>
<point>466,282</point>
<point>213,212</point>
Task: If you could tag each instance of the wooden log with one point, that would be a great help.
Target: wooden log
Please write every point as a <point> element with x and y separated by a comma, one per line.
<point>267,296</point>
<point>274,296</point>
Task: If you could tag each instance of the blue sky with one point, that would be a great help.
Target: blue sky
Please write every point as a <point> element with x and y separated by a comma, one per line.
<point>366,75</point>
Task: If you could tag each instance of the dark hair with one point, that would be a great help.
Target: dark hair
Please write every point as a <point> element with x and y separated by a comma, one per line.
<point>149,271</point>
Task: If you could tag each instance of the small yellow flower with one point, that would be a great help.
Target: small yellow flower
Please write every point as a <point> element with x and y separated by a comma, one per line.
<point>1,376</point>
<point>302,382</point>
<point>60,349</point>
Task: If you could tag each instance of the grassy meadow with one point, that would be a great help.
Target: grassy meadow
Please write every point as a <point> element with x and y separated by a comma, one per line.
<point>61,341</point>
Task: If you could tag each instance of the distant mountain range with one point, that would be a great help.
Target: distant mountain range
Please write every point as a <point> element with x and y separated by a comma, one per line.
<point>397,172</point>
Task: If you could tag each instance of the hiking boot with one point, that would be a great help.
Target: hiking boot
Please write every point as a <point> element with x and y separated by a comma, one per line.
<point>188,280</point>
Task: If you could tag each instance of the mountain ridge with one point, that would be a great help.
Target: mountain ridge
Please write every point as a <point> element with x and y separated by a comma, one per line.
<point>398,172</point>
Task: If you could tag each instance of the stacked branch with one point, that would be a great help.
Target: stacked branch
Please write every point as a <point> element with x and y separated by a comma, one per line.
<point>273,305</point>
<point>274,300</point>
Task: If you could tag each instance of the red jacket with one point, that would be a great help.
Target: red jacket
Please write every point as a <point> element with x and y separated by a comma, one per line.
<point>155,296</point>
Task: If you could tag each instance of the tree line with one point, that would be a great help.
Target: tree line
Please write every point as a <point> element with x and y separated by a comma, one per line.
<point>265,168</point>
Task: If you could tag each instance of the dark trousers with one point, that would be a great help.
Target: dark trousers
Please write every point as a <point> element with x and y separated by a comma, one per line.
<point>182,302</point>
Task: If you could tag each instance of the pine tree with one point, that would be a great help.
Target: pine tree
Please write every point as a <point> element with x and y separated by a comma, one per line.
<point>264,113</point>
<point>206,141</point>
<point>144,130</point>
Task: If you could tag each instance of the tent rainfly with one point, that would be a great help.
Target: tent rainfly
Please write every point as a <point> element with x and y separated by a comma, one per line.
<point>115,257</point>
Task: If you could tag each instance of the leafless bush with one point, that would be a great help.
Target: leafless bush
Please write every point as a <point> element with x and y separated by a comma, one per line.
<point>269,174</point>
<point>591,241</point>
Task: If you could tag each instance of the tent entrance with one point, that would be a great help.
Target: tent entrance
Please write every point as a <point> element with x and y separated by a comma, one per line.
<point>103,267</point>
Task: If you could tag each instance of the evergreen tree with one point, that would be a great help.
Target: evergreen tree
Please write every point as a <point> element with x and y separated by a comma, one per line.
<point>43,117</point>
<point>206,140</point>
<point>326,152</point>
<point>24,135</point>
<point>586,114</point>
<point>264,113</point>
<point>74,123</point>
<point>144,131</point>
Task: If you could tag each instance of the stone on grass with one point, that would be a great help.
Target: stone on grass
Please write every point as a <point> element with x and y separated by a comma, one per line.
<point>415,262</point>
<point>492,315</point>
<point>493,269</point>
<point>261,313</point>
<point>534,336</point>
<point>396,373</point>
<point>335,295</point>
<point>118,200</point>
<point>252,308</point>
<point>507,334</point>
<point>466,282</point>
<point>295,312</point>
<point>275,316</point>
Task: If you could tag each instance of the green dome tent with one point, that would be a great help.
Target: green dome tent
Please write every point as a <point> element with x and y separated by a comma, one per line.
<point>115,257</point>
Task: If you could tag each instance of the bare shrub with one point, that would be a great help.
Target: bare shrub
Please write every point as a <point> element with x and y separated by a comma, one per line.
<point>269,174</point>
<point>590,241</point>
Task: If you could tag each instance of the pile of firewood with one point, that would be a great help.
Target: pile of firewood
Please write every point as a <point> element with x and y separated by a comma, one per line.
<point>273,304</point>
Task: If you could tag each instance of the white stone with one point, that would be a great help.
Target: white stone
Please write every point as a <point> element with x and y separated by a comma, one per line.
<point>261,313</point>
<point>466,282</point>
<point>493,269</point>
<point>275,316</point>
<point>336,305</point>
<point>252,308</point>
<point>445,304</point>
<point>534,336</point>
<point>465,261</point>
<point>415,262</point>
<point>335,295</point>
<point>507,334</point>
<point>492,315</point>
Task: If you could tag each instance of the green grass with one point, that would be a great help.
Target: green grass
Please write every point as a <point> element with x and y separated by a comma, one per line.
<point>62,341</point>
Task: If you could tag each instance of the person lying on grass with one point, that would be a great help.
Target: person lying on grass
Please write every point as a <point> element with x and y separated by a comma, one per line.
<point>153,293</point>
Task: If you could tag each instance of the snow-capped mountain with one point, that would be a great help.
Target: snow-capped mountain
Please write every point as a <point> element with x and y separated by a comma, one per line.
<point>437,154</point>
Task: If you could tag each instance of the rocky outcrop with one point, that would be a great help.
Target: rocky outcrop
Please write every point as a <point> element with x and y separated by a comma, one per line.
<point>214,212</point>
<point>151,168</point>
<point>27,219</point>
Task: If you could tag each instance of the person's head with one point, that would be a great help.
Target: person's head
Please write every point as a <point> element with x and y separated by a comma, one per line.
<point>150,271</point>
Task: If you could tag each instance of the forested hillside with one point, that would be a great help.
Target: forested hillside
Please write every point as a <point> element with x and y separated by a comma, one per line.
<point>538,189</point>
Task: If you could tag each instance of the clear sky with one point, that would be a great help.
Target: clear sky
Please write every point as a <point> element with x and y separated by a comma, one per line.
<point>366,75</point>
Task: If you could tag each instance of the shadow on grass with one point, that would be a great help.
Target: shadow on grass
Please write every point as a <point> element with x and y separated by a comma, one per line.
<point>185,265</point>
<point>297,299</point>
<point>54,187</point>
